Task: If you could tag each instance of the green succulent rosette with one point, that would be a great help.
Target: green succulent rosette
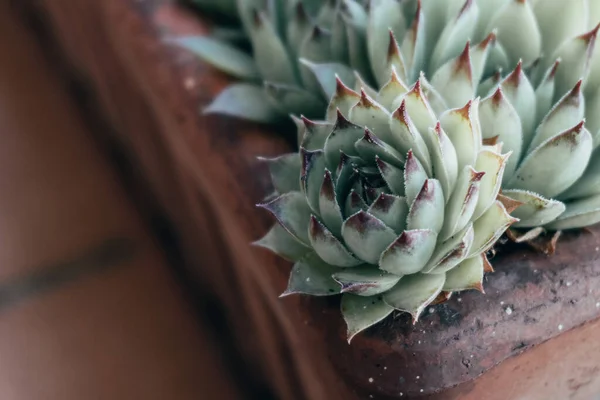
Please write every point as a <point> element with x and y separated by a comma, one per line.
<point>388,202</point>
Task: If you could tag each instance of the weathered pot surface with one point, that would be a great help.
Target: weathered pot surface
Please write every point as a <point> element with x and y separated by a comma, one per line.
<point>529,299</point>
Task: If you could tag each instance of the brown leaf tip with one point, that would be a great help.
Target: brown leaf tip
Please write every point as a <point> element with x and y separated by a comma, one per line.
<point>463,63</point>
<point>401,114</point>
<point>327,189</point>
<point>365,100</point>
<point>489,40</point>
<point>515,77</point>
<point>393,48</point>
<point>590,37</point>
<point>497,97</point>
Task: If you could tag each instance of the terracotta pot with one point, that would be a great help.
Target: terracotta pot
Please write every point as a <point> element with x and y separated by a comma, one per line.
<point>530,337</point>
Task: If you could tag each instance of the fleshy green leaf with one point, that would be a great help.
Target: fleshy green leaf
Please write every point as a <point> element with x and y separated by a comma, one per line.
<point>414,292</point>
<point>367,236</point>
<point>362,312</point>
<point>409,253</point>
<point>467,275</point>
<point>312,276</point>
<point>292,212</point>
<point>365,281</point>
<point>427,211</point>
<point>580,213</point>
<point>536,210</point>
<point>328,247</point>
<point>222,56</point>
<point>326,74</point>
<point>489,227</point>
<point>391,210</point>
<point>280,242</point>
<point>247,101</point>
<point>453,251</point>
<point>285,172</point>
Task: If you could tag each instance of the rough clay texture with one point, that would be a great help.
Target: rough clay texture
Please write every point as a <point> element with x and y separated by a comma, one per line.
<point>529,299</point>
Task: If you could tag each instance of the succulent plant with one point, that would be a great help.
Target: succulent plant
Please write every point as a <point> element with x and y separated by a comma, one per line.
<point>387,202</point>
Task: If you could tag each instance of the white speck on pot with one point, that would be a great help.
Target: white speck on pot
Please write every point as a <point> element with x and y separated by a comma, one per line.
<point>418,376</point>
<point>597,305</point>
<point>508,310</point>
<point>501,303</point>
<point>560,327</point>
<point>419,342</point>
<point>384,367</point>
<point>431,310</point>
<point>597,248</point>
<point>569,283</point>
<point>494,333</point>
<point>371,380</point>
<point>307,279</point>
<point>421,390</point>
<point>189,83</point>
<point>370,396</point>
<point>459,300</point>
<point>401,394</point>
<point>471,355</point>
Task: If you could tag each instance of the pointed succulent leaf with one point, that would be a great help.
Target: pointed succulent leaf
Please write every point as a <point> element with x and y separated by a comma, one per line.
<point>454,80</point>
<point>298,27</point>
<point>362,86</point>
<point>499,119</point>
<point>427,211</point>
<point>407,138</point>
<point>395,62</point>
<point>409,253</point>
<point>420,111</point>
<point>357,44</point>
<point>329,208</point>
<point>467,275</point>
<point>393,177</point>
<point>362,312</point>
<point>575,55</point>
<point>342,100</point>
<point>489,227</point>
<point>493,165</point>
<point>479,56</point>
<point>365,281</point>
<point>247,101</point>
<point>391,90</point>
<point>462,202</point>
<point>312,276</point>
<point>444,159</point>
<point>544,93</point>
<point>280,242</point>
<point>368,113</point>
<point>556,164</point>
<point>567,112</point>
<point>292,211</point>
<point>221,55</point>
<point>342,139</point>
<point>414,45</point>
<point>414,177</point>
<point>312,176</point>
<point>455,34</point>
<point>270,54</point>
<point>367,236</point>
<point>536,210</point>
<point>518,31</point>
<point>328,247</point>
<point>315,134</point>
<point>354,203</point>
<point>589,184</point>
<point>592,122</point>
<point>520,93</point>
<point>285,172</point>
<point>579,213</point>
<point>463,129</point>
<point>415,292</point>
<point>452,251</point>
<point>293,98</point>
<point>370,147</point>
<point>391,210</point>
<point>327,74</point>
<point>573,18</point>
<point>384,16</point>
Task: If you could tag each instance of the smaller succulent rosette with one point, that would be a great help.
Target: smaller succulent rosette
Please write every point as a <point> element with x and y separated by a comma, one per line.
<point>387,202</point>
